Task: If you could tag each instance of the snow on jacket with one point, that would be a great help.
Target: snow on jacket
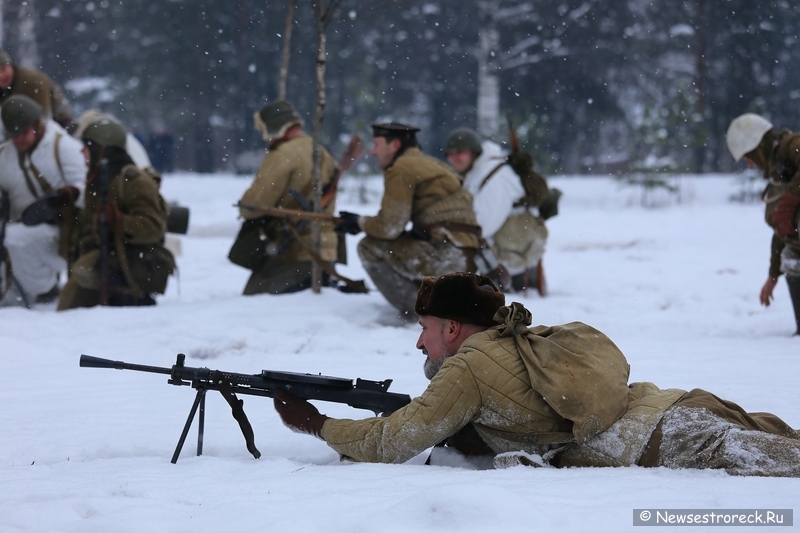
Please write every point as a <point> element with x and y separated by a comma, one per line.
<point>58,159</point>
<point>290,166</point>
<point>423,190</point>
<point>494,202</point>
<point>523,389</point>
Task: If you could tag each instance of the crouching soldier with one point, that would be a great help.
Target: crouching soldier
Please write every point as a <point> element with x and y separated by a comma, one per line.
<point>42,171</point>
<point>777,154</point>
<point>511,203</point>
<point>122,256</point>
<point>426,192</point>
<point>280,258</point>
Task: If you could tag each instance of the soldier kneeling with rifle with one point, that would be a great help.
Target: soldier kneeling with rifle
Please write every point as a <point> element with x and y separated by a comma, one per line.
<point>122,256</point>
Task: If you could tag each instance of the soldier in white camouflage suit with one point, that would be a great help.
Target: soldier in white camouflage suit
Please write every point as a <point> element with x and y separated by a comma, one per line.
<point>41,160</point>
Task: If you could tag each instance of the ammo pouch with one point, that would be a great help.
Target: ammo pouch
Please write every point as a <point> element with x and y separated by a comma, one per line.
<point>549,207</point>
<point>150,266</point>
<point>257,239</point>
<point>520,241</point>
<point>771,196</point>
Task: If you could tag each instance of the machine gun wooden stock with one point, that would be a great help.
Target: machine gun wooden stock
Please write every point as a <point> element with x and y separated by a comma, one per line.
<point>364,394</point>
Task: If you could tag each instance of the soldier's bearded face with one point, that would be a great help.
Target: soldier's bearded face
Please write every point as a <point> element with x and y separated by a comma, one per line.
<point>384,151</point>
<point>433,343</point>
<point>431,368</point>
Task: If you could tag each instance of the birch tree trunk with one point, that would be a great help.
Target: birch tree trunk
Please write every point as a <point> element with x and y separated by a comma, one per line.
<point>322,16</point>
<point>286,53</point>
<point>319,17</point>
<point>28,53</point>
<point>488,105</point>
<point>700,71</point>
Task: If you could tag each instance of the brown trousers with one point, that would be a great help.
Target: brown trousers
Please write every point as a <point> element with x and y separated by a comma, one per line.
<point>702,431</point>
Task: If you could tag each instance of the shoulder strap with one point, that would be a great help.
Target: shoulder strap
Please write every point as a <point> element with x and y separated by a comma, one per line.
<point>492,173</point>
<point>58,156</point>
<point>45,187</point>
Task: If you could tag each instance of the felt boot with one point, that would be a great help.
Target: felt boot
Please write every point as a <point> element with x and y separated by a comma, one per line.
<point>794,291</point>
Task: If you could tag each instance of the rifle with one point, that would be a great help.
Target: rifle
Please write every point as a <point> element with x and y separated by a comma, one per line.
<point>354,150</point>
<point>365,394</point>
<point>290,214</point>
<point>5,258</point>
<point>102,184</point>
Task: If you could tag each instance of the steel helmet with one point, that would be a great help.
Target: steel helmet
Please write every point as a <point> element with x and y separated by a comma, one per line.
<point>463,139</point>
<point>745,133</point>
<point>19,113</point>
<point>105,132</point>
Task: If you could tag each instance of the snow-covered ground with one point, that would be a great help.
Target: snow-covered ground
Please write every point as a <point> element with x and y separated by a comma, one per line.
<point>88,450</point>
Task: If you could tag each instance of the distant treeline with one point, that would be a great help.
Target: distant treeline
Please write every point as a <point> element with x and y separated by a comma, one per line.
<point>593,86</point>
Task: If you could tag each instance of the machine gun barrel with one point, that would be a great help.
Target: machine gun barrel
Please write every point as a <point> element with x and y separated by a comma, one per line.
<point>364,394</point>
<point>89,361</point>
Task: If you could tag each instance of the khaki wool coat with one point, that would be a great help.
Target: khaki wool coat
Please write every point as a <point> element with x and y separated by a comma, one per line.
<point>141,236</point>
<point>43,90</point>
<point>290,166</point>
<point>522,389</point>
<point>424,191</point>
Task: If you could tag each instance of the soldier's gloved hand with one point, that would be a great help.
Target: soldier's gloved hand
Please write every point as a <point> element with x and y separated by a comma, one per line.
<point>298,414</point>
<point>111,215</point>
<point>521,162</point>
<point>64,196</point>
<point>348,223</point>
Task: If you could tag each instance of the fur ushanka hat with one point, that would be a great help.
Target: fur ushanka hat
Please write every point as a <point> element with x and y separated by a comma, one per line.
<point>461,296</point>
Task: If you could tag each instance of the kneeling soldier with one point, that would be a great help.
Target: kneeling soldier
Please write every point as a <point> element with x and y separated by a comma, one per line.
<point>122,256</point>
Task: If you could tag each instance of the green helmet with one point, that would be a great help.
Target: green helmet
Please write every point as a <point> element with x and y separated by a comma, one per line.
<point>274,119</point>
<point>5,59</point>
<point>105,132</point>
<point>19,113</point>
<point>463,139</point>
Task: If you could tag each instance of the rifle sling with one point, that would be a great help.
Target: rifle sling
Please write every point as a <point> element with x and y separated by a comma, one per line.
<point>490,174</point>
<point>44,185</point>
<point>355,286</point>
<point>119,245</point>
<point>237,410</point>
